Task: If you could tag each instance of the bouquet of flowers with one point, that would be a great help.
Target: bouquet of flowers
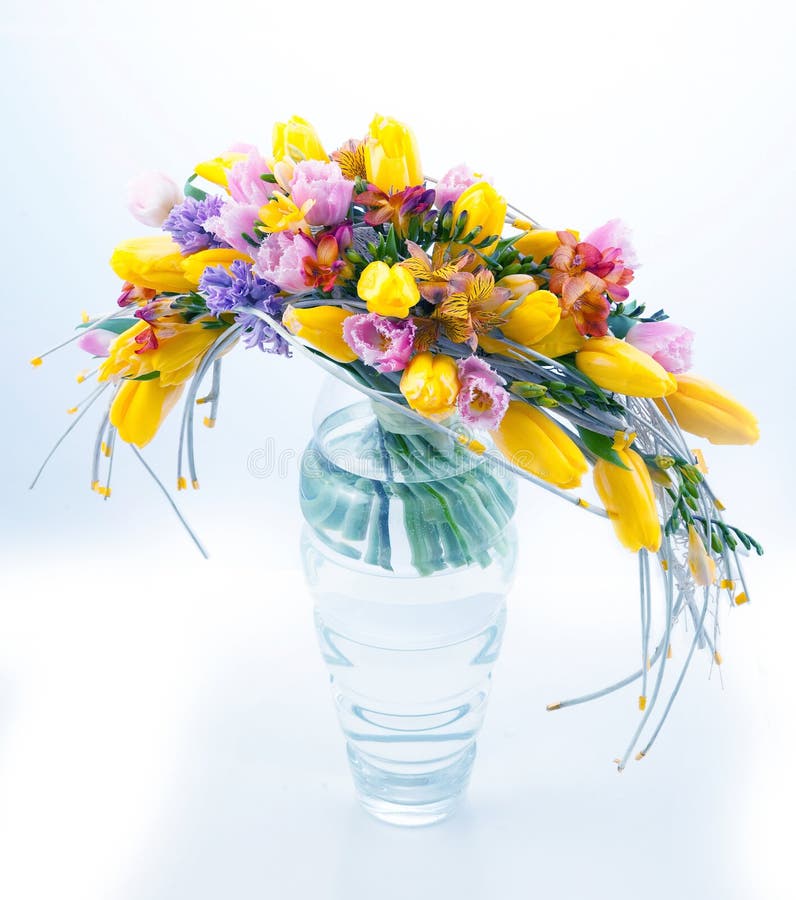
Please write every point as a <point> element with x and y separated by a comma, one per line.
<point>521,347</point>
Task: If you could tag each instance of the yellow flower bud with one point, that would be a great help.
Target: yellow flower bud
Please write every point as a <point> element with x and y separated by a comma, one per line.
<point>519,285</point>
<point>151,262</point>
<point>392,160</point>
<point>388,291</point>
<point>701,564</point>
<point>531,440</point>
<point>140,407</point>
<point>618,366</point>
<point>703,408</point>
<point>564,338</point>
<point>296,139</point>
<point>430,384</point>
<point>217,170</point>
<point>540,243</point>
<point>629,499</point>
<point>532,319</point>
<point>322,328</point>
<point>484,207</point>
<point>195,264</point>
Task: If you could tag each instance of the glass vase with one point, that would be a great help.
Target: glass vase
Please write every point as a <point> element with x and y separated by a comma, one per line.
<point>409,550</point>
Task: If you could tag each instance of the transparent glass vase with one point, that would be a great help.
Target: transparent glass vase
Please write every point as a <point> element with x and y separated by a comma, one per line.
<point>409,551</point>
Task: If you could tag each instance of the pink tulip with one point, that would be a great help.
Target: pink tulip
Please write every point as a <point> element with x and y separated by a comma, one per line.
<point>151,197</point>
<point>96,341</point>
<point>244,182</point>
<point>482,400</point>
<point>614,235</point>
<point>455,182</point>
<point>324,183</point>
<point>280,260</point>
<point>235,220</point>
<point>380,342</point>
<point>666,342</point>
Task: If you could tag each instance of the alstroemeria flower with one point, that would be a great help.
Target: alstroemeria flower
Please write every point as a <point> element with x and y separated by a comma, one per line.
<point>380,342</point>
<point>326,266</point>
<point>397,208</point>
<point>666,342</point>
<point>324,185</point>
<point>472,309</point>
<point>582,275</point>
<point>433,273</point>
<point>482,400</point>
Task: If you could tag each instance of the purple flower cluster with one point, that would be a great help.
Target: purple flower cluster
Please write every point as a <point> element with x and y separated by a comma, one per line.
<point>186,223</point>
<point>225,289</point>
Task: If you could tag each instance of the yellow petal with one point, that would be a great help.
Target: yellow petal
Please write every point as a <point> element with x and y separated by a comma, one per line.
<point>629,499</point>
<point>153,262</point>
<point>140,407</point>
<point>618,366</point>
<point>703,408</point>
<point>321,327</point>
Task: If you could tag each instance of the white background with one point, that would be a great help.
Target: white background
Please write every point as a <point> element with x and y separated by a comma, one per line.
<point>165,726</point>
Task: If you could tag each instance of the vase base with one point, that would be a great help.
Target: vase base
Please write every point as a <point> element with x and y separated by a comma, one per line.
<point>411,799</point>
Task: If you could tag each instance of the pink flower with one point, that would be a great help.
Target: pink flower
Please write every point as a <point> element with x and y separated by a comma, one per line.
<point>244,182</point>
<point>235,220</point>
<point>455,182</point>
<point>614,235</point>
<point>324,183</point>
<point>666,342</point>
<point>151,197</point>
<point>482,400</point>
<point>96,341</point>
<point>280,260</point>
<point>380,342</point>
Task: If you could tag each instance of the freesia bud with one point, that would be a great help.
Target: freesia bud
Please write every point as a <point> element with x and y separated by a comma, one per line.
<point>430,384</point>
<point>700,563</point>
<point>296,139</point>
<point>703,408</point>
<point>322,328</point>
<point>629,499</point>
<point>615,365</point>
<point>531,440</point>
<point>151,197</point>
<point>392,159</point>
<point>388,291</point>
<point>484,208</point>
<point>519,285</point>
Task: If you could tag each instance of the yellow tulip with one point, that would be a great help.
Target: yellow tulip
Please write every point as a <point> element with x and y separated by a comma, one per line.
<point>531,440</point>
<point>484,207</point>
<point>322,328</point>
<point>618,366</point>
<point>629,499</point>
<point>217,169</point>
<point>519,286</point>
<point>704,409</point>
<point>700,563</point>
<point>532,319</point>
<point>540,243</point>
<point>296,139</point>
<point>430,384</point>
<point>388,291</point>
<point>392,159</point>
<point>140,407</point>
<point>151,262</point>
<point>195,264</point>
<point>564,338</point>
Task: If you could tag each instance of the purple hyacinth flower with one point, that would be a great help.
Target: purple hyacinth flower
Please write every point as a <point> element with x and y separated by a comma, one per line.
<point>186,224</point>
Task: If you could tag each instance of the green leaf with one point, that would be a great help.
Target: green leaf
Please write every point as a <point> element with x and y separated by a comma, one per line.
<point>195,192</point>
<point>601,446</point>
<point>620,325</point>
<point>149,376</point>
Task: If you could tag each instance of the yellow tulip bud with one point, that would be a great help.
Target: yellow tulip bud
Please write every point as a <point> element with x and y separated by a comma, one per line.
<point>322,328</point>
<point>484,207</point>
<point>430,384</point>
<point>296,139</point>
<point>540,243</point>
<point>518,285</point>
<point>532,319</point>
<point>629,499</point>
<point>151,262</point>
<point>140,407</point>
<point>564,338</point>
<point>700,563</point>
<point>195,264</point>
<point>392,160</point>
<point>531,440</point>
<point>618,366</point>
<point>217,170</point>
<point>703,408</point>
<point>388,291</point>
